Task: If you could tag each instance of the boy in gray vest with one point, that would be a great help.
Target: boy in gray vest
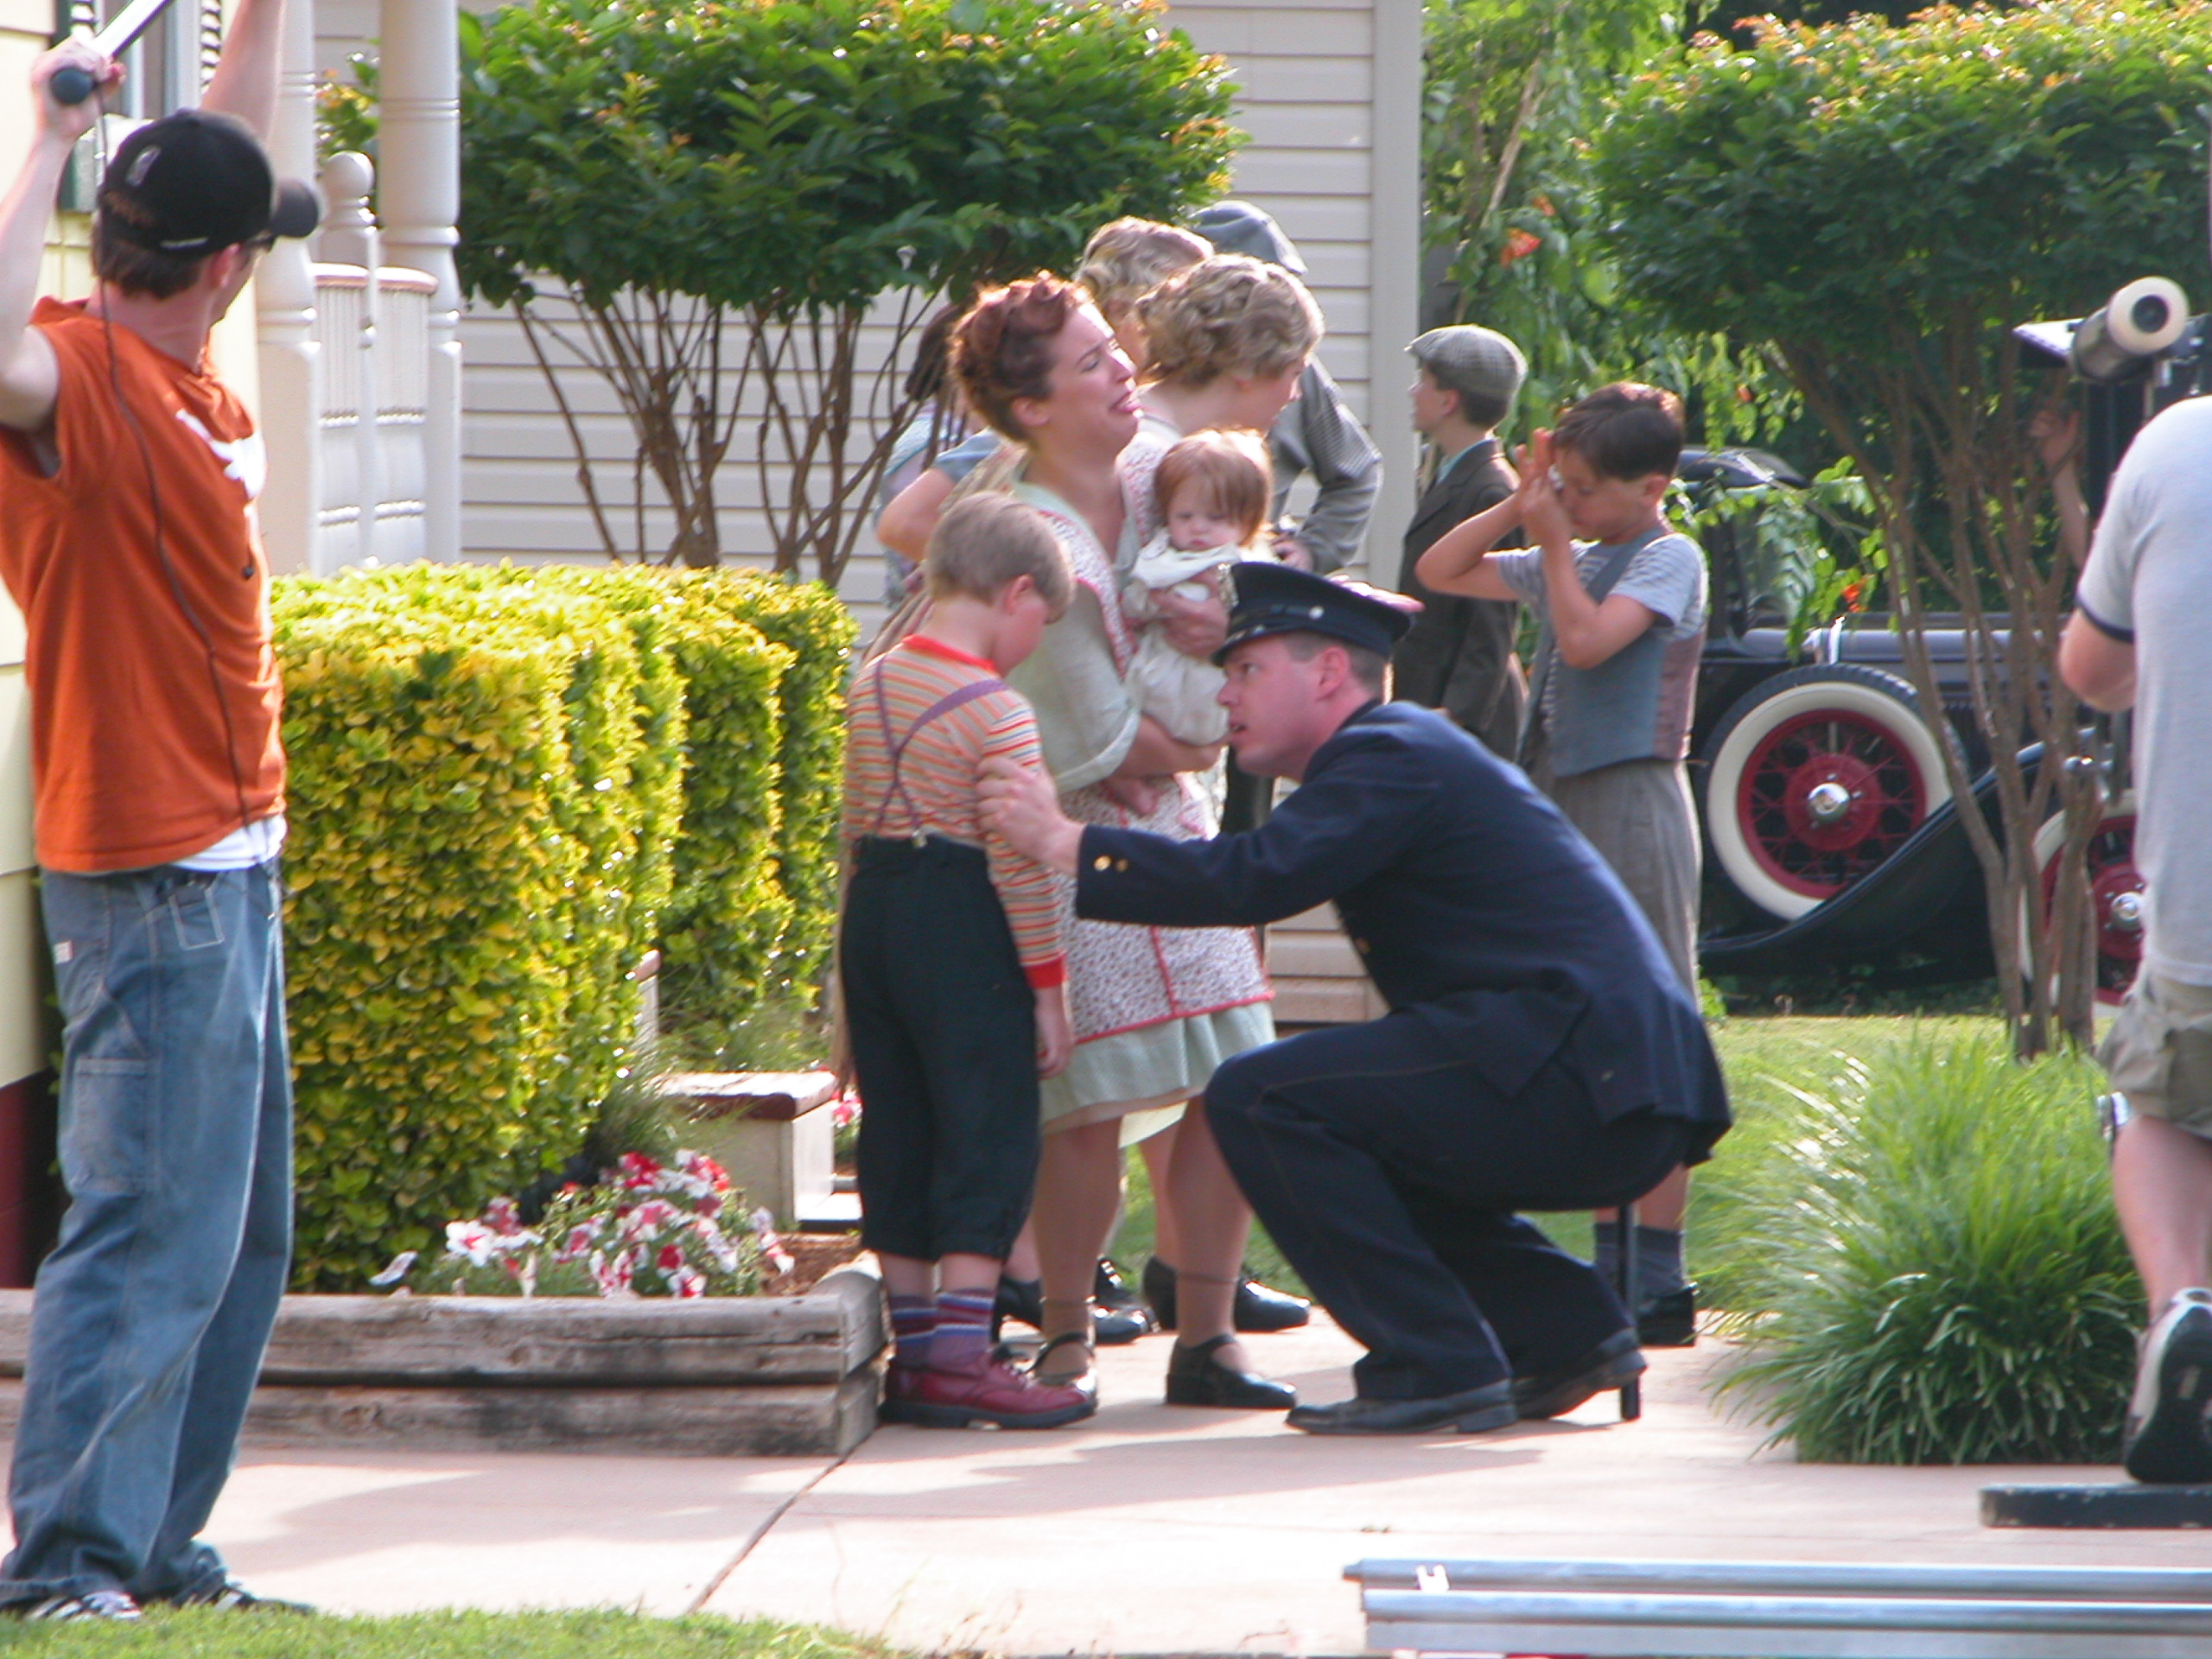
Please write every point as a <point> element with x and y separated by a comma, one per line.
<point>1621,595</point>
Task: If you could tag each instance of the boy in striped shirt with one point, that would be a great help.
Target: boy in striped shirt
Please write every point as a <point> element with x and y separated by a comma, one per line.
<point>952,961</point>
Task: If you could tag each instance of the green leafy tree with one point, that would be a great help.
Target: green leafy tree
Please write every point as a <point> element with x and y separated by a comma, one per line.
<point>1878,206</point>
<point>716,197</point>
<point>1513,88</point>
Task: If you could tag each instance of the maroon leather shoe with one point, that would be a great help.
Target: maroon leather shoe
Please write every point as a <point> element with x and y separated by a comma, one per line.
<point>990,1391</point>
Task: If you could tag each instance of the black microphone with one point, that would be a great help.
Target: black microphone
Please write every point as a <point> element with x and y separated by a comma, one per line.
<point>70,85</point>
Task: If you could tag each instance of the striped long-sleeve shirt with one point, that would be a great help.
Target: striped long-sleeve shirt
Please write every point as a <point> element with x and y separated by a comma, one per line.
<point>933,791</point>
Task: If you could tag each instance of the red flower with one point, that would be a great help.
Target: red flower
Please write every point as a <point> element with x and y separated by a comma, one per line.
<point>1853,593</point>
<point>1542,204</point>
<point>669,1258</point>
<point>637,1169</point>
<point>1519,245</point>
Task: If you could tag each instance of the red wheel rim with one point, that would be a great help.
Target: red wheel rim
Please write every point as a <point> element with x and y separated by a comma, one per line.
<point>1827,797</point>
<point>2115,889</point>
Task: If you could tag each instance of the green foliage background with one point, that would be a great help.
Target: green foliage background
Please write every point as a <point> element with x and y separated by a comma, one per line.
<point>502,782</point>
<point>1845,185</point>
<point>808,154</point>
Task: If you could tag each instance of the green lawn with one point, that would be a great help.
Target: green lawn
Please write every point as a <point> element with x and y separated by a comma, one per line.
<point>1764,1055</point>
<point>203,1635</point>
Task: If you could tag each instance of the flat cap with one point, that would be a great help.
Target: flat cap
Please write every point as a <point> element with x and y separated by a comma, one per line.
<point>1274,598</point>
<point>1479,362</point>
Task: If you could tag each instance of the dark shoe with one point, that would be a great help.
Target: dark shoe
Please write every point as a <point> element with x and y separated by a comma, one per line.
<point>95,1606</point>
<point>1110,1289</point>
<point>1670,1322</point>
<point>1046,1369</point>
<point>1257,1308</point>
<point>1196,1378</point>
<point>1023,1301</point>
<point>233,1597</point>
<point>989,1391</point>
<point>1551,1394</point>
<point>1474,1412</point>
<point>2166,1442</point>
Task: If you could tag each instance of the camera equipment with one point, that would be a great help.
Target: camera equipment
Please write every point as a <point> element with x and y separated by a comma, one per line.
<point>2133,356</point>
<point>2138,322</point>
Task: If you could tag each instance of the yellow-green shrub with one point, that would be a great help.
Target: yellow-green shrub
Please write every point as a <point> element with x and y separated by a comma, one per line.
<point>807,619</point>
<point>507,786</point>
<point>442,915</point>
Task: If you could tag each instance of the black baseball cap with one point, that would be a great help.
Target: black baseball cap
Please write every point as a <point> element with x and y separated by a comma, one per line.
<point>197,181</point>
<point>1273,598</point>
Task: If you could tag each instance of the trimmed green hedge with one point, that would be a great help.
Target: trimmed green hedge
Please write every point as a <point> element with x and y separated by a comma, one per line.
<point>505,786</point>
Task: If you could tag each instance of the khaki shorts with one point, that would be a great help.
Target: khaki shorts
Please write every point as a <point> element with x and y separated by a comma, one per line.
<point>2159,1051</point>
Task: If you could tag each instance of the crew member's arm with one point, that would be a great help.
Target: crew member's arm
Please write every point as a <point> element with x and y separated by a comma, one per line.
<point>1340,826</point>
<point>2096,654</point>
<point>245,81</point>
<point>2099,665</point>
<point>30,378</point>
<point>1588,631</point>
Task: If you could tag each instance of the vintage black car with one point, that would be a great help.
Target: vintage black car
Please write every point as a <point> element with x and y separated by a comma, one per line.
<point>1832,832</point>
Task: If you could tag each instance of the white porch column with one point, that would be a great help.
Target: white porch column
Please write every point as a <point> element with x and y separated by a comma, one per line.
<point>283,298</point>
<point>418,160</point>
<point>1395,249</point>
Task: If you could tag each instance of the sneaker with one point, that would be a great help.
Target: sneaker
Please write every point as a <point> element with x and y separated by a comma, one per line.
<point>113,1606</point>
<point>233,1597</point>
<point>2166,1442</point>
<point>990,1392</point>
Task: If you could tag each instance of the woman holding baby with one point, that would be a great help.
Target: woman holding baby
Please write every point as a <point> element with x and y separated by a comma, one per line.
<point>1155,1009</point>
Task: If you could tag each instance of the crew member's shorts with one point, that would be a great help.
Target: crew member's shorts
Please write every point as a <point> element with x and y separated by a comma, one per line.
<point>2159,1051</point>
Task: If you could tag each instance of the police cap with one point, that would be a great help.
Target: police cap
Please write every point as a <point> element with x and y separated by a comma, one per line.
<point>1274,598</point>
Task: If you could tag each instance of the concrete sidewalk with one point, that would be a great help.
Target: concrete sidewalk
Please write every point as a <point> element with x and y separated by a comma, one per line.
<point>1147,1530</point>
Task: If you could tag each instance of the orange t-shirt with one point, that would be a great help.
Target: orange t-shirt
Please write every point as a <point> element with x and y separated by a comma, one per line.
<point>149,743</point>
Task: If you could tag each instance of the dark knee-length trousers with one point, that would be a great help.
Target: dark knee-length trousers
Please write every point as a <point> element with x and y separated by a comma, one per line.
<point>943,1031</point>
<point>1389,1171</point>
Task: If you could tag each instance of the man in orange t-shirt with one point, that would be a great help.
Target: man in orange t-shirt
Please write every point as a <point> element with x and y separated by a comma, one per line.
<point>127,476</point>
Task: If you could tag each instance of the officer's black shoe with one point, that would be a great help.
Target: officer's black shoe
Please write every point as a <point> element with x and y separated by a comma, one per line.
<point>1195,1377</point>
<point>1551,1394</point>
<point>1023,1301</point>
<point>1670,1322</point>
<point>1474,1412</point>
<point>1257,1308</point>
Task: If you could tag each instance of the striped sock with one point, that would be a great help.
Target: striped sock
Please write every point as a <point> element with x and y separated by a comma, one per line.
<point>963,1329</point>
<point>913,1319</point>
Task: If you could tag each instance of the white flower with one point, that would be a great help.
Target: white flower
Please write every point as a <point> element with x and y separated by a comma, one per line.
<point>397,1271</point>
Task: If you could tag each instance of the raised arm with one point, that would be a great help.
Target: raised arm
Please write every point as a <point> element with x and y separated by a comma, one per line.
<point>245,82</point>
<point>1457,561</point>
<point>28,376</point>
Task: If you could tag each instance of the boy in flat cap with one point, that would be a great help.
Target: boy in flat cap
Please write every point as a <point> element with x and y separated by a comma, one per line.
<point>127,475</point>
<point>1458,656</point>
<point>1540,1052</point>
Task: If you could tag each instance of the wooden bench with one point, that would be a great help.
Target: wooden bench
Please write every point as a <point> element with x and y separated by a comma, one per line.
<point>1784,1610</point>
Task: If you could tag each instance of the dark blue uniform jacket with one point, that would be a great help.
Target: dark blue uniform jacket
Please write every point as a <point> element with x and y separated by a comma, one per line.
<point>1476,905</point>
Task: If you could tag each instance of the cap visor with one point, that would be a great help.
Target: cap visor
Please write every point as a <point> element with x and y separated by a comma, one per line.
<point>298,211</point>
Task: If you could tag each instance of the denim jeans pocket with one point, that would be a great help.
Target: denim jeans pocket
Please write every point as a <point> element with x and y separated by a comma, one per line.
<point>105,1125</point>
<point>190,904</point>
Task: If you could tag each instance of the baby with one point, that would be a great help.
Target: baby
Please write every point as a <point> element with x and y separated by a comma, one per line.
<point>1214,489</point>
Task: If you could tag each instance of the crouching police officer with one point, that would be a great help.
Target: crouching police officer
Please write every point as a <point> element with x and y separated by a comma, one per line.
<point>1540,1052</point>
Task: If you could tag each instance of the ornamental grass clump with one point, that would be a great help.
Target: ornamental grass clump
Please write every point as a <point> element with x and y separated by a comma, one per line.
<point>1928,1267</point>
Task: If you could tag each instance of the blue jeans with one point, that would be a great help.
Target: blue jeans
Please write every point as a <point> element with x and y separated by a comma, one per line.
<point>151,1315</point>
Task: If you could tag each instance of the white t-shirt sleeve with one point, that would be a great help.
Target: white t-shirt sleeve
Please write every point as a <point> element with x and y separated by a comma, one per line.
<point>2108,586</point>
<point>1523,570</point>
<point>1668,579</point>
